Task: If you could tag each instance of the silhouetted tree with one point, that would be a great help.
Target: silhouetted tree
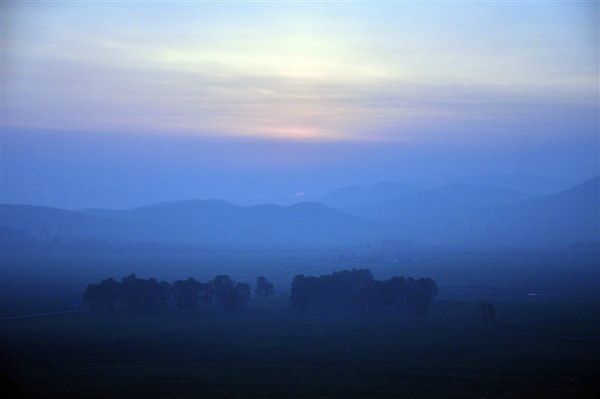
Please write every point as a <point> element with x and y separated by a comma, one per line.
<point>263,287</point>
<point>102,296</point>
<point>186,293</point>
<point>357,289</point>
<point>242,295</point>
<point>224,292</point>
<point>304,291</point>
<point>205,294</point>
<point>141,294</point>
<point>395,292</point>
<point>344,289</point>
<point>419,294</point>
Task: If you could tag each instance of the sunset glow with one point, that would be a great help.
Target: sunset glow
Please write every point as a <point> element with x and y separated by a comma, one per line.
<point>296,71</point>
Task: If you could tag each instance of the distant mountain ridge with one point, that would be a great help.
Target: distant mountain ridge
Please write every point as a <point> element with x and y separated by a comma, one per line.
<point>197,221</point>
<point>460,215</point>
<point>353,198</point>
<point>509,219</point>
<point>443,199</point>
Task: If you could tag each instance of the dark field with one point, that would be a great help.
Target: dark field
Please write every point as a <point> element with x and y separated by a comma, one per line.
<point>538,348</point>
<point>546,341</point>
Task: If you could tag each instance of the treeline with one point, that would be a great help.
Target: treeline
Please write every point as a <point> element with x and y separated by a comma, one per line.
<point>138,294</point>
<point>354,289</point>
<point>357,289</point>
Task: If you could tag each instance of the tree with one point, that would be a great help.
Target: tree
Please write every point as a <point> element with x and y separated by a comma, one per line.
<point>102,296</point>
<point>205,295</point>
<point>186,293</point>
<point>263,287</point>
<point>356,289</point>
<point>242,295</point>
<point>140,294</point>
<point>396,291</point>
<point>224,292</point>
<point>341,290</point>
<point>419,294</point>
<point>304,292</point>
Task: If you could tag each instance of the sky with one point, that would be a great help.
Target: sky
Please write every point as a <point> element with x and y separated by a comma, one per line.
<point>123,103</point>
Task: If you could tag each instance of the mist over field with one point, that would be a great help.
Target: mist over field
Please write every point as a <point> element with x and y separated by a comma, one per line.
<point>299,200</point>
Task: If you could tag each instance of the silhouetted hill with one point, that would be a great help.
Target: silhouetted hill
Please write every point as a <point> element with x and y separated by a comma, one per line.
<point>207,221</point>
<point>525,182</point>
<point>458,216</point>
<point>49,223</point>
<point>565,217</point>
<point>220,221</point>
<point>493,217</point>
<point>354,199</point>
<point>584,197</point>
<point>438,202</point>
<point>468,215</point>
<point>468,196</point>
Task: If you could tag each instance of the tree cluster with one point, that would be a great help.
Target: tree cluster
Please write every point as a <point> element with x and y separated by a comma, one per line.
<point>137,294</point>
<point>357,290</point>
<point>263,287</point>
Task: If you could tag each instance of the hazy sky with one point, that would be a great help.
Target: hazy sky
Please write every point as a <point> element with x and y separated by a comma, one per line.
<point>416,77</point>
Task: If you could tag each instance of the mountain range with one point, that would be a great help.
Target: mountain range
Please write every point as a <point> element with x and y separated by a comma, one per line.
<point>463,215</point>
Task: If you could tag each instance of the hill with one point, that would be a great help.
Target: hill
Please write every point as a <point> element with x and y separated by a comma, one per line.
<point>481,216</point>
<point>195,221</point>
<point>353,199</point>
<point>493,217</point>
<point>458,216</point>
